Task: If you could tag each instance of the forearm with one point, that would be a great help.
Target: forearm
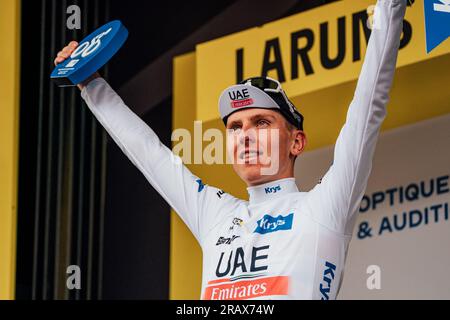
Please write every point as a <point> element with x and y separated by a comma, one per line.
<point>368,106</point>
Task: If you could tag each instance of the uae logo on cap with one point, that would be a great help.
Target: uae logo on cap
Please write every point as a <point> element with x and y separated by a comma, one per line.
<point>240,98</point>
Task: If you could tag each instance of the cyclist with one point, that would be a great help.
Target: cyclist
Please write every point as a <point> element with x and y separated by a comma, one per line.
<point>281,243</point>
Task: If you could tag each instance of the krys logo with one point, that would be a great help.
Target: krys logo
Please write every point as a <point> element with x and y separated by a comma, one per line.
<point>240,98</point>
<point>272,189</point>
<point>271,224</point>
<point>328,277</point>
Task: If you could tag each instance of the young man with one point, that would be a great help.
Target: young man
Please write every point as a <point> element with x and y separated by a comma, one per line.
<point>282,243</point>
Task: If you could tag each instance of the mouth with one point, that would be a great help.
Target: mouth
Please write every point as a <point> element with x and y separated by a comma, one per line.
<point>249,154</point>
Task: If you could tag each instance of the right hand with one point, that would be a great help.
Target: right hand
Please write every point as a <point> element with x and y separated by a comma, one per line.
<point>65,53</point>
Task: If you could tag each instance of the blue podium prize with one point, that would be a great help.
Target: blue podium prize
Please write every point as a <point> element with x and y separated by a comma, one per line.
<point>93,52</point>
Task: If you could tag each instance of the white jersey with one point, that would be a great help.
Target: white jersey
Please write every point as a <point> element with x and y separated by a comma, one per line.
<point>282,243</point>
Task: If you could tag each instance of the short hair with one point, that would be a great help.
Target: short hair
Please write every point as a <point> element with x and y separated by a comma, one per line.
<point>290,127</point>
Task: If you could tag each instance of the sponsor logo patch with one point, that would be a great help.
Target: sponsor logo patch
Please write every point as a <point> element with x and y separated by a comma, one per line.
<point>201,186</point>
<point>236,223</point>
<point>220,193</point>
<point>242,103</point>
<point>270,224</point>
<point>225,240</point>
<point>328,277</point>
<point>273,189</point>
<point>226,289</point>
<point>240,98</point>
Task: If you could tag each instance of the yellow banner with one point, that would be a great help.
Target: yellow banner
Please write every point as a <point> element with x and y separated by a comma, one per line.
<point>309,51</point>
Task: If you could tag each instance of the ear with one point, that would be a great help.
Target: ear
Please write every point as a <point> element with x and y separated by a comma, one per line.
<point>298,143</point>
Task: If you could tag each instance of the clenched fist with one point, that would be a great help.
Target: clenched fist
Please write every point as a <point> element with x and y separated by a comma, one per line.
<point>66,53</point>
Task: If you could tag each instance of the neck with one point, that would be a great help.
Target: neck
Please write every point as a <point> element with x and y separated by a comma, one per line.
<point>271,190</point>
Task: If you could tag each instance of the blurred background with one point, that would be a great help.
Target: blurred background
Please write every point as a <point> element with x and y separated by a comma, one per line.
<point>68,195</point>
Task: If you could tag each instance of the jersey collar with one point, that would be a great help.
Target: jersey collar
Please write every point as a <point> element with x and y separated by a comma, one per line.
<point>271,190</point>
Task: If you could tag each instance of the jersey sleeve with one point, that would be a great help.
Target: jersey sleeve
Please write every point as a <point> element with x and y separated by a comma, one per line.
<point>184,192</point>
<point>337,198</point>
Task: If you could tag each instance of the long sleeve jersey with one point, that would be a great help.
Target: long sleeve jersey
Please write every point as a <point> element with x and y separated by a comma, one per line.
<point>281,243</point>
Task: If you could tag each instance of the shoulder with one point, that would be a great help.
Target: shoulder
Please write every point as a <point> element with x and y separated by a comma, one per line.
<point>219,198</point>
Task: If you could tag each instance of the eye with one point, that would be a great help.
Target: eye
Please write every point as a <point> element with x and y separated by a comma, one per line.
<point>235,127</point>
<point>262,123</point>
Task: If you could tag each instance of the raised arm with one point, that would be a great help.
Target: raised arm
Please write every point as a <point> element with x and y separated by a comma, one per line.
<point>342,188</point>
<point>184,192</point>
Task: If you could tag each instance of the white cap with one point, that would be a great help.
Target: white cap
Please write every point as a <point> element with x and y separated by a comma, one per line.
<point>242,96</point>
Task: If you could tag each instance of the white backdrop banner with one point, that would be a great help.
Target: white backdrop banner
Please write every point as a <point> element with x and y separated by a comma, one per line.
<point>401,243</point>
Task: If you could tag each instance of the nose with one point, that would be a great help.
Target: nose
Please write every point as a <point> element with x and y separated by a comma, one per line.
<point>247,136</point>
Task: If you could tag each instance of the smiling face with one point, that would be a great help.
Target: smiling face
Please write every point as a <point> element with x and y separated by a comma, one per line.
<point>263,145</point>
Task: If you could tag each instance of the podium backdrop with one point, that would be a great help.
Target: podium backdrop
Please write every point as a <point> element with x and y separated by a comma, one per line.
<point>321,81</point>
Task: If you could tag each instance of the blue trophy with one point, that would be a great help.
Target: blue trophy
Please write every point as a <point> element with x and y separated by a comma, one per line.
<point>93,52</point>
